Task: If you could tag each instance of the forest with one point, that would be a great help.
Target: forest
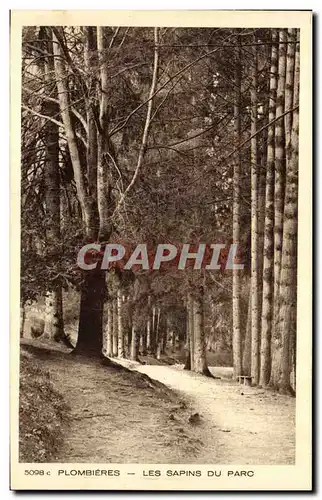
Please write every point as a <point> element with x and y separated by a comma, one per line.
<point>163,136</point>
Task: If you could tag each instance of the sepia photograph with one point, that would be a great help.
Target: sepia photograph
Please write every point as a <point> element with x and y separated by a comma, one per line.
<point>159,236</point>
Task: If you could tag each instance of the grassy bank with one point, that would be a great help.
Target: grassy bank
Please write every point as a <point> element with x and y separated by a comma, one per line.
<point>43,413</point>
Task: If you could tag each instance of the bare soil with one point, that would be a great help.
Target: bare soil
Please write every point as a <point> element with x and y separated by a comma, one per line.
<point>117,415</point>
<point>122,413</point>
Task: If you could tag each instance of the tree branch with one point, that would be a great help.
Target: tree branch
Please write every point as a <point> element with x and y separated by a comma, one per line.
<point>259,131</point>
<point>185,68</point>
<point>52,99</point>
<point>147,120</point>
<point>60,124</point>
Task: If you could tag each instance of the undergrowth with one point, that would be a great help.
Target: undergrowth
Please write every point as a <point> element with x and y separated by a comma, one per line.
<point>43,414</point>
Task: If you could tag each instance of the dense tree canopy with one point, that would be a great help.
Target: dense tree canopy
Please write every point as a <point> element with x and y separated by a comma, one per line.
<point>165,135</point>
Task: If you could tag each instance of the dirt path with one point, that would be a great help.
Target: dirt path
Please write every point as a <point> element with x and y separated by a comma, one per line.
<point>123,416</point>
<point>117,415</point>
<point>241,425</point>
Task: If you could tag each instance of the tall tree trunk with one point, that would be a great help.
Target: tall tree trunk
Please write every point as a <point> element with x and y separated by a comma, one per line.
<point>247,352</point>
<point>115,329</point>
<point>153,331</point>
<point>237,346</point>
<point>120,329</point>
<point>173,337</point>
<point>65,111</point>
<point>135,341</point>
<point>96,302</point>
<point>91,61</point>
<point>287,295</point>
<point>90,329</point>
<point>109,330</point>
<point>86,333</point>
<point>189,365</point>
<point>22,318</point>
<point>158,334</point>
<point>166,335</point>
<point>105,152</point>
<point>212,336</point>
<point>254,225</point>
<point>129,330</point>
<point>200,362</point>
<point>148,335</point>
<point>276,343</point>
<point>268,264</point>
<point>289,87</point>
<point>54,324</point>
<point>293,341</point>
<point>148,328</point>
<point>143,342</point>
<point>262,158</point>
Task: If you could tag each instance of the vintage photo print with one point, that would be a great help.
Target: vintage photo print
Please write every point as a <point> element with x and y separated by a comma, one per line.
<point>161,286</point>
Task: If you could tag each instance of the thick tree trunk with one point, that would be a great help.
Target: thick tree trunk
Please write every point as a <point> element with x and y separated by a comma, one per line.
<point>200,362</point>
<point>54,325</point>
<point>247,352</point>
<point>109,330</point>
<point>65,111</point>
<point>90,337</point>
<point>90,323</point>
<point>279,166</point>
<point>268,264</point>
<point>237,344</point>
<point>280,154</point>
<point>254,225</point>
<point>91,61</point>
<point>287,295</point>
<point>262,165</point>
<point>105,153</point>
<point>289,86</point>
<point>262,157</point>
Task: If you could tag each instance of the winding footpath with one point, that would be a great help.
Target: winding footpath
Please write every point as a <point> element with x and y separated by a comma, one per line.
<point>121,417</point>
<point>241,425</point>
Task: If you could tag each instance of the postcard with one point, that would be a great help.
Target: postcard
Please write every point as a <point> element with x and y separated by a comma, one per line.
<point>161,242</point>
